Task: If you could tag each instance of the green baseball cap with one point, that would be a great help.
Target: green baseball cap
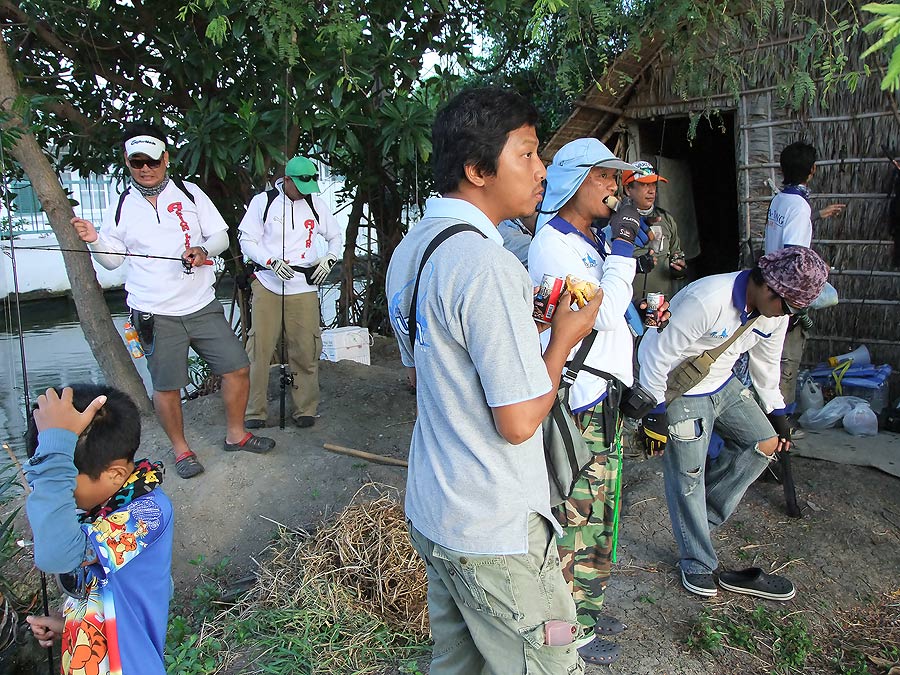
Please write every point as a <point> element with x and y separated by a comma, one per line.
<point>304,174</point>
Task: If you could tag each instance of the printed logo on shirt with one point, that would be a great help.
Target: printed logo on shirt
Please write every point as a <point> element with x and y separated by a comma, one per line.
<point>588,261</point>
<point>717,334</point>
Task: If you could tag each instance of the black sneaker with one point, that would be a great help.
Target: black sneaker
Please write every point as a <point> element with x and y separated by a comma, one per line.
<point>753,581</point>
<point>254,424</point>
<point>250,443</point>
<point>700,584</point>
<point>304,421</point>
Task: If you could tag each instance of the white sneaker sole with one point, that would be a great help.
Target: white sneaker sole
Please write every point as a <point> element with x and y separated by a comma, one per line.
<point>697,590</point>
<point>756,593</point>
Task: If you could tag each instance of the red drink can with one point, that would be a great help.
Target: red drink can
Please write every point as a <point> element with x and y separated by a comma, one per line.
<point>651,314</point>
<point>547,298</point>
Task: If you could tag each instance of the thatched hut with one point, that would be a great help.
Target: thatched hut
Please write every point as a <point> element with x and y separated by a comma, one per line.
<point>723,177</point>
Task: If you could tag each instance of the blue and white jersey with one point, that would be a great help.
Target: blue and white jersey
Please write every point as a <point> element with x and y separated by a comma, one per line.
<point>705,314</point>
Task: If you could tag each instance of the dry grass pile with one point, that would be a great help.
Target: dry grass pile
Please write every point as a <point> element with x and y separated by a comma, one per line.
<point>349,598</point>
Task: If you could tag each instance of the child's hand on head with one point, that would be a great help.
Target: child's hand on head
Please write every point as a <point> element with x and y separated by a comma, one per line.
<point>55,412</point>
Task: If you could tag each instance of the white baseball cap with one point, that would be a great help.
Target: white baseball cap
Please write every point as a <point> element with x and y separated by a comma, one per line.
<point>144,145</point>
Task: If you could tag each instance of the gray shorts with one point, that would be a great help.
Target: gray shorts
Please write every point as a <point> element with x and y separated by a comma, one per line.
<point>207,331</point>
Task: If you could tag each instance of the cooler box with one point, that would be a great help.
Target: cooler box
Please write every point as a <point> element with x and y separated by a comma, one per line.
<point>350,343</point>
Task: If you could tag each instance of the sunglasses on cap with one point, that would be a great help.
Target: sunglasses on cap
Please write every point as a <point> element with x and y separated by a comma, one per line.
<point>141,163</point>
<point>74,584</point>
<point>307,177</point>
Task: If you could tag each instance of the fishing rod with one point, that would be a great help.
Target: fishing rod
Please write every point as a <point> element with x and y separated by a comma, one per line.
<point>12,254</point>
<point>286,378</point>
<point>188,266</point>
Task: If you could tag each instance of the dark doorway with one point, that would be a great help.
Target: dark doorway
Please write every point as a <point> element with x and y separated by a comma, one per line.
<point>710,156</point>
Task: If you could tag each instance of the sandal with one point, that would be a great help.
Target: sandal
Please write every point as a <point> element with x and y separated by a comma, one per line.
<point>753,581</point>
<point>187,465</point>
<point>600,652</point>
<point>608,625</point>
<point>251,443</point>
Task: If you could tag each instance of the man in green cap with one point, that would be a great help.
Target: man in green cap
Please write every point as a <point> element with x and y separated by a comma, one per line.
<point>279,234</point>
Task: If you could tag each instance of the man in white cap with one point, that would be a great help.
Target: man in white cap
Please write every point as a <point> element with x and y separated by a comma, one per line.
<point>581,183</point>
<point>173,302</point>
<point>279,233</point>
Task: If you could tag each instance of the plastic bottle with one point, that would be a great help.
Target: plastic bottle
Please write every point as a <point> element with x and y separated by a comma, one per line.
<point>134,344</point>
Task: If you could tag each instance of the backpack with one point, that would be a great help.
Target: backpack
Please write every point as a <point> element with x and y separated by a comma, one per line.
<point>272,195</point>
<point>565,450</point>
<point>178,183</point>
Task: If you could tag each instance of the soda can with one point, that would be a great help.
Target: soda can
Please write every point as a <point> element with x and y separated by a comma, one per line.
<point>547,298</point>
<point>651,314</point>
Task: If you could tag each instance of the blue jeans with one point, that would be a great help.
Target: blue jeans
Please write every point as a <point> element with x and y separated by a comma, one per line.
<point>701,497</point>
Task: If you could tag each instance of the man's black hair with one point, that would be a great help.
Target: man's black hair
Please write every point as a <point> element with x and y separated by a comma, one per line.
<point>797,161</point>
<point>756,276</point>
<point>472,129</point>
<point>143,129</point>
<point>114,433</point>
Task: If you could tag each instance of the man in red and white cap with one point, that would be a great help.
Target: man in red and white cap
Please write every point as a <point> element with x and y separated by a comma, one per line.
<point>661,262</point>
<point>173,302</point>
<point>705,315</point>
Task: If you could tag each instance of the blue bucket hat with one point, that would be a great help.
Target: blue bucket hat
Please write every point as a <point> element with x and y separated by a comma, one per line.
<point>570,167</point>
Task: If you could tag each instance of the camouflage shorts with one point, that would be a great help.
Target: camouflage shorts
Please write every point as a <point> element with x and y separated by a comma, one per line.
<point>588,519</point>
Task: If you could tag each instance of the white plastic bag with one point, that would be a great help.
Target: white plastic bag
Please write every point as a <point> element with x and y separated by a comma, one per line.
<point>830,415</point>
<point>811,397</point>
<point>861,421</point>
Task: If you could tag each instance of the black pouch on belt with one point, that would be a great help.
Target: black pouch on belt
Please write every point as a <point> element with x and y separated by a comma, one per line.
<point>143,324</point>
<point>611,410</point>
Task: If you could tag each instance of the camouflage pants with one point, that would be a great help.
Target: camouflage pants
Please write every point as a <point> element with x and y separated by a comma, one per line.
<point>589,522</point>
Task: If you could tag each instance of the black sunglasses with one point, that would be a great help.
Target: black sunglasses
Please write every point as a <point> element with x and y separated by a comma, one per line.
<point>786,309</point>
<point>307,178</point>
<point>74,584</point>
<point>141,163</point>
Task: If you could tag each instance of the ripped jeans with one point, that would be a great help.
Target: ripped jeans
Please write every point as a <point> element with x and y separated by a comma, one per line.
<point>701,497</point>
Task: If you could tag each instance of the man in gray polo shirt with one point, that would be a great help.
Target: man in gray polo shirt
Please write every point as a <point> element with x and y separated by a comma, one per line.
<point>477,494</point>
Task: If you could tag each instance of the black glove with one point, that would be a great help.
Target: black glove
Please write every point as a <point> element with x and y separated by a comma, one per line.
<point>656,432</point>
<point>625,223</point>
<point>781,426</point>
<point>645,263</point>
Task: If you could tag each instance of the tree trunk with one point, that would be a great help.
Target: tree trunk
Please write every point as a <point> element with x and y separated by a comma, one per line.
<point>105,343</point>
<point>348,291</point>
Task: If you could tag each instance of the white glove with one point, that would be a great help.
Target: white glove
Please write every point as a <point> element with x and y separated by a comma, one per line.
<point>323,267</point>
<point>281,268</point>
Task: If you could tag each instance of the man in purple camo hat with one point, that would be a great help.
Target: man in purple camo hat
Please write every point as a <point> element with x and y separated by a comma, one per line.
<point>705,315</point>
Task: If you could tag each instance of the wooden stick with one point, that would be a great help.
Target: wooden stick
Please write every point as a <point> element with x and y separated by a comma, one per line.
<point>368,456</point>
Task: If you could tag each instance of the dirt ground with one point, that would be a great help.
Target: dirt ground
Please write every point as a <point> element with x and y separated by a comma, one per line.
<point>844,552</point>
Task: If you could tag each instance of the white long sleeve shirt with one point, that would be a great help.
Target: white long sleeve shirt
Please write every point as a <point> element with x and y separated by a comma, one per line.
<point>704,315</point>
<point>173,225</point>
<point>289,232</point>
<point>559,249</point>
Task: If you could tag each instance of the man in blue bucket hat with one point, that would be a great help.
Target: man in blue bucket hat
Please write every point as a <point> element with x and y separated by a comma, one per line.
<point>581,184</point>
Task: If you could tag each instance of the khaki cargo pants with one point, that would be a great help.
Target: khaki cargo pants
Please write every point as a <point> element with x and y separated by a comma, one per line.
<point>487,612</point>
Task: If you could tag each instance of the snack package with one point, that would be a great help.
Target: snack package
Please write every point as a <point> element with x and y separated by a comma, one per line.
<point>582,291</point>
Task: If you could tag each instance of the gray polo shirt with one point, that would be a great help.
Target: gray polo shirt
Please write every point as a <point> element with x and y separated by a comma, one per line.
<point>468,489</point>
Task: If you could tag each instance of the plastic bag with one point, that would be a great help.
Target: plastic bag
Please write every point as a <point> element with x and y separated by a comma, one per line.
<point>811,397</point>
<point>827,298</point>
<point>861,421</point>
<point>831,414</point>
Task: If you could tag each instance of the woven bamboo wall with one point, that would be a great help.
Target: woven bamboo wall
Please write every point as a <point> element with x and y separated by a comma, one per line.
<point>848,134</point>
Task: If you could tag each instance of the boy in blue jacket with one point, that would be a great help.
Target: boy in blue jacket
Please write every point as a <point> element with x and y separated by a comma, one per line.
<point>102,524</point>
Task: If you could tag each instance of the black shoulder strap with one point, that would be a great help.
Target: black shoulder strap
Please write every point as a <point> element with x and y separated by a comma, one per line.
<point>271,196</point>
<point>181,186</point>
<point>308,199</point>
<point>576,365</point>
<point>119,206</point>
<point>437,241</point>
